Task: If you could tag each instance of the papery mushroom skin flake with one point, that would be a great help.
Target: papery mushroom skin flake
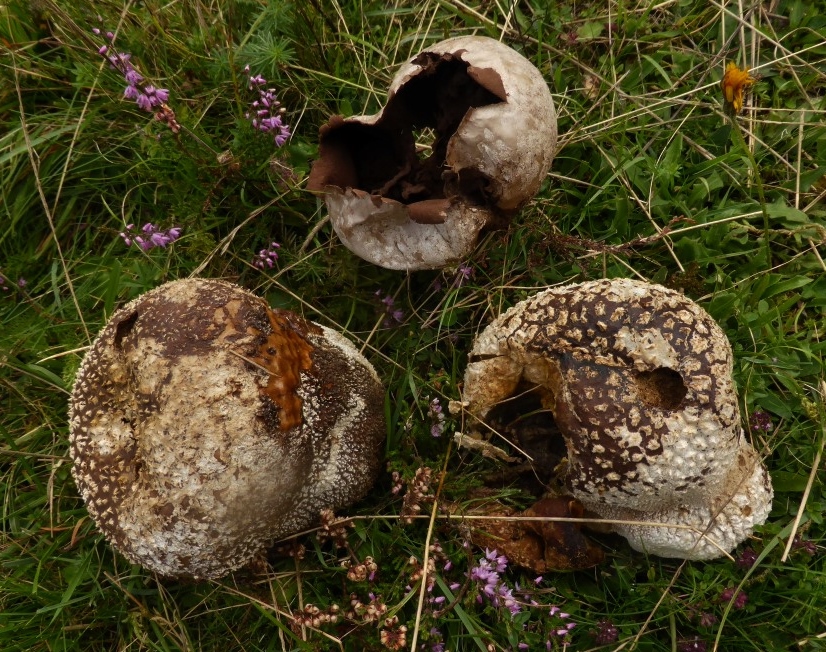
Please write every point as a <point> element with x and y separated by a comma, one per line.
<point>638,379</point>
<point>205,424</point>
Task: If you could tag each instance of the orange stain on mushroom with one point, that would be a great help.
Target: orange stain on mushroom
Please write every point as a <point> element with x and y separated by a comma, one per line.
<point>284,354</point>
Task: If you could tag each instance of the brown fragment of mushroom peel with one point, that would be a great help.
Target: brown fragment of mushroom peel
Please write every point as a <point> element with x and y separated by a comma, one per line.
<point>204,425</point>
<point>495,137</point>
<point>638,380</point>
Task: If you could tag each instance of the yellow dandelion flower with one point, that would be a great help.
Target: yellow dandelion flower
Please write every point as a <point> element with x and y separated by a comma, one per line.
<point>734,82</point>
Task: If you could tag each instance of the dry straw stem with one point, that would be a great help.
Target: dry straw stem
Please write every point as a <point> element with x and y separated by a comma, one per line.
<point>812,476</point>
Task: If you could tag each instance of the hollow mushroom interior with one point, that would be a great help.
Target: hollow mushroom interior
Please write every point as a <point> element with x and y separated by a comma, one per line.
<point>382,158</point>
<point>528,414</point>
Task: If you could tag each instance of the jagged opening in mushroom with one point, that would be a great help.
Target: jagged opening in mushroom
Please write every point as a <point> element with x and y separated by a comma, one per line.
<point>382,158</point>
<point>662,388</point>
<point>526,420</point>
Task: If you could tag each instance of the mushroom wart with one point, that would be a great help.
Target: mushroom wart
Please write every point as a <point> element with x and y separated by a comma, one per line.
<point>205,424</point>
<point>495,135</point>
<point>638,381</point>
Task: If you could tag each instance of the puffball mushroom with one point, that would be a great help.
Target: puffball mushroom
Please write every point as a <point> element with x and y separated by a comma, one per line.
<point>205,424</point>
<point>638,380</point>
<point>495,137</point>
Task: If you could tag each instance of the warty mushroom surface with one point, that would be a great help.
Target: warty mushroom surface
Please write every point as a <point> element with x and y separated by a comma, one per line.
<point>638,381</point>
<point>204,425</point>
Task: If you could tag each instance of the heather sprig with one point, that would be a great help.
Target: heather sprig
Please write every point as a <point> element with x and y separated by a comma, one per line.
<point>760,421</point>
<point>148,97</point>
<point>265,258</point>
<point>149,236</point>
<point>266,113</point>
<point>436,414</point>
<point>392,314</point>
<point>487,575</point>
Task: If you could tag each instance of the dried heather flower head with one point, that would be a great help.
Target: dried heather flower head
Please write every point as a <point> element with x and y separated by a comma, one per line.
<point>417,492</point>
<point>371,612</point>
<point>393,636</point>
<point>361,572</point>
<point>332,530</point>
<point>312,616</point>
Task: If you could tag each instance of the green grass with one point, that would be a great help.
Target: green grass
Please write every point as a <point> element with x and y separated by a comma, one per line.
<point>649,182</point>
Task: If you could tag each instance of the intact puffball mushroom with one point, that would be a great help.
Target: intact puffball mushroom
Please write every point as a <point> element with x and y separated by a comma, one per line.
<point>495,137</point>
<point>205,424</point>
<point>638,380</point>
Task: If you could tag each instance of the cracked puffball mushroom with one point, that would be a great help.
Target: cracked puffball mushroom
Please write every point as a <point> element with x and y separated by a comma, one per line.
<point>495,136</point>
<point>205,424</point>
<point>637,379</point>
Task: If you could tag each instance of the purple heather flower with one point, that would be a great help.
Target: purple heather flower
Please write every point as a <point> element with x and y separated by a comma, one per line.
<point>606,632</point>
<point>133,77</point>
<point>707,619</point>
<point>266,257</point>
<point>500,560</point>
<point>746,559</point>
<point>21,282</point>
<point>152,236</point>
<point>522,646</point>
<point>147,97</point>
<point>436,414</point>
<point>691,645</point>
<point>391,315</point>
<point>265,115</point>
<point>740,597</point>
<point>760,420</point>
<point>809,547</point>
<point>463,275</point>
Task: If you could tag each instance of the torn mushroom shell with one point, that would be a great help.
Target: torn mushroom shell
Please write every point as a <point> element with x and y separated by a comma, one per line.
<point>205,424</point>
<point>638,381</point>
<point>495,137</point>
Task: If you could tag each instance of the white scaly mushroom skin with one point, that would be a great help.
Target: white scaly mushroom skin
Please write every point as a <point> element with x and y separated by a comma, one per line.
<point>204,425</point>
<point>638,378</point>
<point>494,161</point>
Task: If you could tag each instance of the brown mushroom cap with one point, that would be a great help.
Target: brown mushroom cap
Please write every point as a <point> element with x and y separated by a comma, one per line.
<point>495,126</point>
<point>205,424</point>
<point>638,379</point>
